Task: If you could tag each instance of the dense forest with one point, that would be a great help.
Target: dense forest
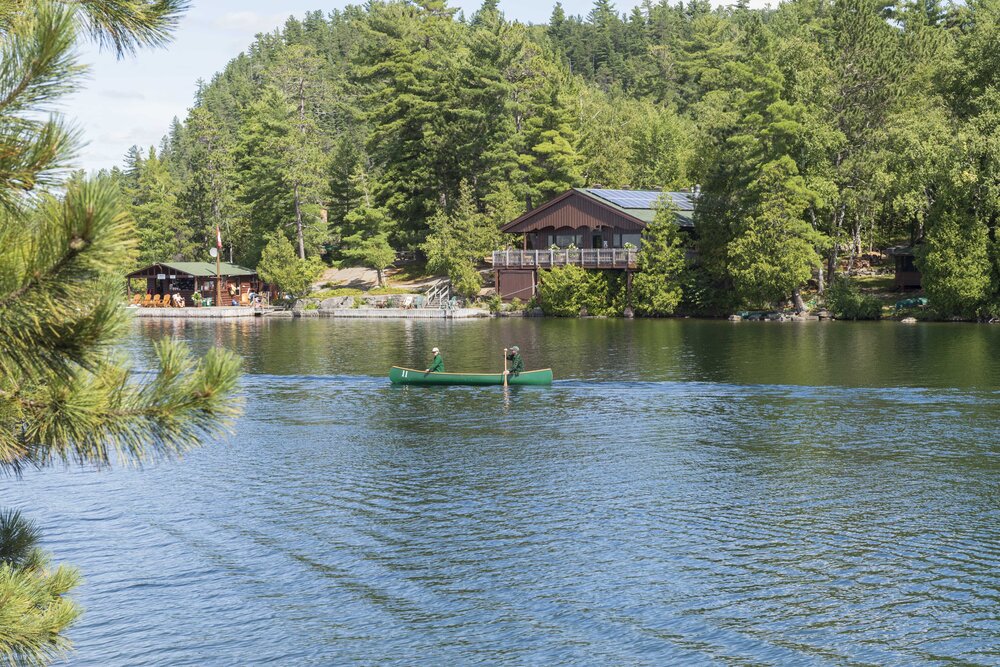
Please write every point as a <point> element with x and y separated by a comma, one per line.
<point>817,130</point>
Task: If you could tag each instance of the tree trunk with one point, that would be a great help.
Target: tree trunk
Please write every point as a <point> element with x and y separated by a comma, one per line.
<point>298,223</point>
<point>820,283</point>
<point>800,305</point>
<point>381,278</point>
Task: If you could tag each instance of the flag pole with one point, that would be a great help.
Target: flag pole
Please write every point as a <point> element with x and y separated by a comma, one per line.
<point>218,266</point>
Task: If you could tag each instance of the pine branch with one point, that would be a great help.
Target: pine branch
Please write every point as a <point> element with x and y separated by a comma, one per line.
<point>38,66</point>
<point>124,26</point>
<point>96,417</point>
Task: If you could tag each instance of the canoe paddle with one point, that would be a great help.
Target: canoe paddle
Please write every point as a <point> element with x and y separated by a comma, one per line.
<point>505,367</point>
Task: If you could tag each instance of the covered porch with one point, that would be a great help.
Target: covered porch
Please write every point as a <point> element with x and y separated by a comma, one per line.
<point>589,258</point>
<point>164,280</point>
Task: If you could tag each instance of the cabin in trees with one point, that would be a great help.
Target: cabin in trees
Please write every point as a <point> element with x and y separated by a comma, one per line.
<point>187,278</point>
<point>907,274</point>
<point>592,228</point>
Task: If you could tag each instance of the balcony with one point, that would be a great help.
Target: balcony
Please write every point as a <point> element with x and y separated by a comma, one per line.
<point>610,258</point>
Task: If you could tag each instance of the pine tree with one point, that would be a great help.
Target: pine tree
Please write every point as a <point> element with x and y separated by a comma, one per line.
<point>367,228</point>
<point>280,175</point>
<point>64,395</point>
<point>458,242</point>
<point>774,250</point>
<point>657,288</point>
<point>163,233</point>
<point>280,266</point>
<point>209,197</point>
<point>553,164</point>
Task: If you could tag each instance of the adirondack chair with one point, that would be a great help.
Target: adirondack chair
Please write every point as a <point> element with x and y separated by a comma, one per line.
<point>146,301</point>
<point>137,300</point>
<point>156,301</point>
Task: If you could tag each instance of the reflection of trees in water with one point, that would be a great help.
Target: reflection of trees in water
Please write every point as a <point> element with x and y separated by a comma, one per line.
<point>810,353</point>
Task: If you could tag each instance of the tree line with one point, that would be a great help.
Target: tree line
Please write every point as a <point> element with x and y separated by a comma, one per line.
<point>818,130</point>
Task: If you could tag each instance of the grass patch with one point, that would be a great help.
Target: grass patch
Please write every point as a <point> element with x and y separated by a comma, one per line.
<point>331,293</point>
<point>354,291</point>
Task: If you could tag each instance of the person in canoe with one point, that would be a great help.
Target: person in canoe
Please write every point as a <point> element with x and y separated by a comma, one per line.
<point>515,364</point>
<point>437,364</point>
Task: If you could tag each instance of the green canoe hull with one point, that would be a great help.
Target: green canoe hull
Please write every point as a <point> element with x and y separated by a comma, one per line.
<point>411,376</point>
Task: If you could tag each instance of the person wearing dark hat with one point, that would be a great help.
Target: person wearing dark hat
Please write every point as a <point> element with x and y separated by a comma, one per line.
<point>515,364</point>
<point>437,365</point>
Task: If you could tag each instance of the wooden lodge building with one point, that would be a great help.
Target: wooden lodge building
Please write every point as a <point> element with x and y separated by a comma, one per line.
<point>168,278</point>
<point>592,228</point>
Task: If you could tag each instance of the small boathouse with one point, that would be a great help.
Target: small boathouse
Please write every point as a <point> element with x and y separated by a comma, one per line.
<point>165,279</point>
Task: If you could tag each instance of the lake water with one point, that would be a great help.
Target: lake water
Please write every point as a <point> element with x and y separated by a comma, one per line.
<point>687,492</point>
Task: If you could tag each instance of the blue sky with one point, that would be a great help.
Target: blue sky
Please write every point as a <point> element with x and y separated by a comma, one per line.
<point>132,101</point>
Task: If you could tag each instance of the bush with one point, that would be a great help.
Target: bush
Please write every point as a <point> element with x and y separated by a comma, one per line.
<point>704,295</point>
<point>494,303</point>
<point>565,291</point>
<point>846,302</point>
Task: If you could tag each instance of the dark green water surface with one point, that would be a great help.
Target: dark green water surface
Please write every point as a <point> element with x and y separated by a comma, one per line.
<point>687,492</point>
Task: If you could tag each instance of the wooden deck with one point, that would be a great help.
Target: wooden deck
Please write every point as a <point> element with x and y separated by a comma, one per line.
<point>611,258</point>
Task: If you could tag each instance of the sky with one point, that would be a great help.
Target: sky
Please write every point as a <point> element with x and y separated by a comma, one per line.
<point>132,101</point>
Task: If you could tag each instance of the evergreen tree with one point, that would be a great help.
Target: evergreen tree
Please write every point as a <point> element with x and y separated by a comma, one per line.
<point>280,266</point>
<point>955,265</point>
<point>459,242</point>
<point>553,164</point>
<point>163,233</point>
<point>209,197</point>
<point>657,288</point>
<point>774,250</point>
<point>367,228</point>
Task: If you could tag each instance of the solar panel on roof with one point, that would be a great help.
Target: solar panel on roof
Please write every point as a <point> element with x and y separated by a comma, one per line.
<point>643,198</point>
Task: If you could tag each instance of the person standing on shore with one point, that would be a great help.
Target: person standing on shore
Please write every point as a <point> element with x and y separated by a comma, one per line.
<point>437,364</point>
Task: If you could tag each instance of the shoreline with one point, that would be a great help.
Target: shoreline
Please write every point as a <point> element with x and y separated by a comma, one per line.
<point>235,312</point>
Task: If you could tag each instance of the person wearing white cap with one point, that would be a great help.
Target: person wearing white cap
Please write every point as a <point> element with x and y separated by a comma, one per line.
<point>437,365</point>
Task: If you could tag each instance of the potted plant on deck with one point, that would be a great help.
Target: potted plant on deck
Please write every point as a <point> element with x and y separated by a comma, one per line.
<point>196,298</point>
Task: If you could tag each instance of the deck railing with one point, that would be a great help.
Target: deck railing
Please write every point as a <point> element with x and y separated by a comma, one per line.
<point>607,258</point>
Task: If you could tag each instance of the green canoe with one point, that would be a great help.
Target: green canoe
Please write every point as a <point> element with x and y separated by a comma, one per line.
<point>411,376</point>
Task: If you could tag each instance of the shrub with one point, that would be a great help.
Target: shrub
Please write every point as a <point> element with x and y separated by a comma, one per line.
<point>846,302</point>
<point>565,291</point>
<point>561,291</point>
<point>494,303</point>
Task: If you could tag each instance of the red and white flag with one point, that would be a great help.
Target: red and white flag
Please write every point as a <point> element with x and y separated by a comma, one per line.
<point>218,237</point>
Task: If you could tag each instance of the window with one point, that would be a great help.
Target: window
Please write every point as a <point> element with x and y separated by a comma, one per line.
<point>566,239</point>
<point>622,239</point>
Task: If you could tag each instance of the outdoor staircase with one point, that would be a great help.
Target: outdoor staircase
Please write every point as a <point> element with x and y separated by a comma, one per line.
<point>438,293</point>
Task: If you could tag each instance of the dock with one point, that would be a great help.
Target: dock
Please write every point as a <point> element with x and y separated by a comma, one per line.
<point>225,312</point>
<point>406,313</point>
